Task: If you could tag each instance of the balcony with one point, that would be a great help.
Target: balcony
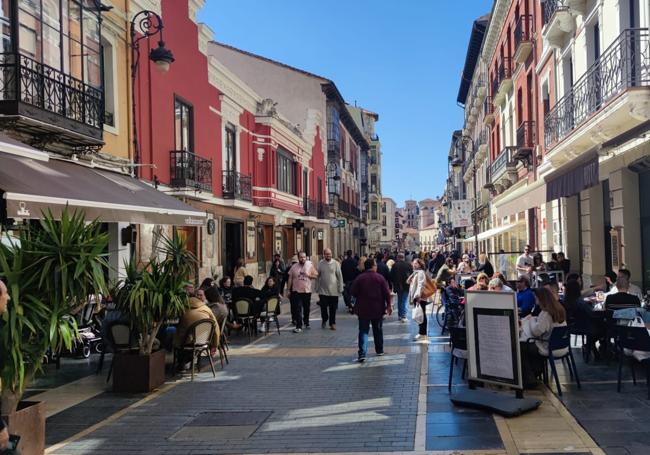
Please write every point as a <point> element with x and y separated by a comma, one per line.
<point>504,81</point>
<point>559,23</point>
<point>523,38</point>
<point>526,142</point>
<point>42,101</point>
<point>610,98</point>
<point>479,91</point>
<point>314,208</point>
<point>237,186</point>
<point>488,111</point>
<point>482,147</point>
<point>503,170</point>
<point>189,171</point>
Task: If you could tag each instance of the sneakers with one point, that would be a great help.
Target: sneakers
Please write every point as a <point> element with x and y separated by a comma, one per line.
<point>333,327</point>
<point>322,325</point>
<point>420,338</point>
<point>402,320</point>
<point>361,359</point>
<point>307,326</point>
<point>297,330</point>
<point>380,354</point>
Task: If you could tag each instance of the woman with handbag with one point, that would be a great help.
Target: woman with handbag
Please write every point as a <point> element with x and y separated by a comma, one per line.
<point>421,288</point>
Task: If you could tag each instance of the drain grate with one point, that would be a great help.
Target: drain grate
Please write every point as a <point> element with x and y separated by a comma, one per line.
<point>217,426</point>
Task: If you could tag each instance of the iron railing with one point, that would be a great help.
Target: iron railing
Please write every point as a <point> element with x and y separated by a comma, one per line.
<point>625,64</point>
<point>476,85</point>
<point>483,137</point>
<point>237,186</point>
<point>523,30</point>
<point>505,69</point>
<point>188,170</point>
<point>550,7</point>
<point>495,87</point>
<point>526,134</point>
<point>314,208</point>
<point>488,107</point>
<point>25,80</point>
<point>502,161</point>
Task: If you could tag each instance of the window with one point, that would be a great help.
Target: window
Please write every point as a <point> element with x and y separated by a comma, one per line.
<point>286,172</point>
<point>374,211</point>
<point>183,127</point>
<point>384,232</point>
<point>383,220</point>
<point>373,183</point>
<point>63,34</point>
<point>109,83</point>
<point>231,149</point>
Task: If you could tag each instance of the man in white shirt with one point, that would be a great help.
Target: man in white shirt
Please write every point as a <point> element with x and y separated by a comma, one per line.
<point>632,288</point>
<point>525,263</point>
<point>503,262</point>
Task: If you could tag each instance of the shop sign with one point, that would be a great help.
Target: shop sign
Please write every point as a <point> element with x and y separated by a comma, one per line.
<point>461,213</point>
<point>250,239</point>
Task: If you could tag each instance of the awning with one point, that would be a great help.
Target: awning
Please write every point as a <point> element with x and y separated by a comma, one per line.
<point>529,198</point>
<point>492,232</point>
<point>581,175</point>
<point>31,187</point>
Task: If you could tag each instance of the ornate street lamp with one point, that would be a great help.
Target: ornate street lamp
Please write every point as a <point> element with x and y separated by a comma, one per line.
<point>149,24</point>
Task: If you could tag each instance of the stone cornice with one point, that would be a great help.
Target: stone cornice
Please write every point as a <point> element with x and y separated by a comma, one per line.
<point>497,18</point>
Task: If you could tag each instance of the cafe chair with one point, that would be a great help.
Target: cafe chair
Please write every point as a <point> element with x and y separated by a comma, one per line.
<point>224,345</point>
<point>631,341</point>
<point>560,339</point>
<point>458,351</point>
<point>120,336</point>
<point>243,309</point>
<point>197,341</point>
<point>270,313</point>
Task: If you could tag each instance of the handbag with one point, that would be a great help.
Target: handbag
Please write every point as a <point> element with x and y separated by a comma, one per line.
<point>418,314</point>
<point>429,288</point>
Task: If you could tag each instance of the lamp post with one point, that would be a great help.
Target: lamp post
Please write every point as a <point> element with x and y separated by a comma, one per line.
<point>333,189</point>
<point>149,24</point>
<point>458,163</point>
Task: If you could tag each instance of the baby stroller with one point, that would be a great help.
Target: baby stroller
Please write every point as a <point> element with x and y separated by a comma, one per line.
<point>89,325</point>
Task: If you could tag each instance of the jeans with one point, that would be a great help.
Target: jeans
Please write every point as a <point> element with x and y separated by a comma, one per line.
<point>377,333</point>
<point>300,306</point>
<point>347,298</point>
<point>328,306</point>
<point>402,303</point>
<point>422,328</point>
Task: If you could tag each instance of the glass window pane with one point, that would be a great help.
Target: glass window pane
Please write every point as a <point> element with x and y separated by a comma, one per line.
<point>51,47</point>
<point>30,36</point>
<point>75,60</point>
<point>74,21</point>
<point>186,128</point>
<point>5,24</point>
<point>52,13</point>
<point>177,125</point>
<point>92,68</point>
<point>31,6</point>
<point>91,31</point>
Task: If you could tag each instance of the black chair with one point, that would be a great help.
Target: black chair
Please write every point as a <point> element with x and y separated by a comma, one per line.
<point>458,351</point>
<point>224,345</point>
<point>243,310</point>
<point>560,339</point>
<point>197,341</point>
<point>120,337</point>
<point>270,313</point>
<point>633,339</point>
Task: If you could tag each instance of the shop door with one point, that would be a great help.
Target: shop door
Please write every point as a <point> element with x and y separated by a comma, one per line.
<point>306,241</point>
<point>233,246</point>
<point>188,234</point>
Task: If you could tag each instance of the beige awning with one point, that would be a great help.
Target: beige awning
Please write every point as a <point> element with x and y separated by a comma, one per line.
<point>528,199</point>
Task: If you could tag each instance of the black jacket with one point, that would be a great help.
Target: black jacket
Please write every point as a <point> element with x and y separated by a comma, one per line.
<point>349,269</point>
<point>621,300</point>
<point>382,269</point>
<point>399,274</point>
<point>487,268</point>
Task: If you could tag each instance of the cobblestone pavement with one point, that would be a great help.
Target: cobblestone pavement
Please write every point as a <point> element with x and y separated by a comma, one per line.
<point>308,394</point>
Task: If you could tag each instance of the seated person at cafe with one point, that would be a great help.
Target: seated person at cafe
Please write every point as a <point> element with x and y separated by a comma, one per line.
<point>270,289</point>
<point>622,299</point>
<point>216,304</point>
<point>247,291</point>
<point>554,287</point>
<point>482,281</point>
<point>632,288</point>
<point>525,297</point>
<point>446,272</point>
<point>504,283</point>
<point>495,284</point>
<point>539,328</point>
<point>198,310</point>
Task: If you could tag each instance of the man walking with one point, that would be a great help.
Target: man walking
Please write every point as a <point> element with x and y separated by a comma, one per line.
<point>350,270</point>
<point>329,287</point>
<point>373,302</point>
<point>299,288</point>
<point>399,273</point>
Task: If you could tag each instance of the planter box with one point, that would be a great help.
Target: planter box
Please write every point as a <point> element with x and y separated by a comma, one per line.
<point>135,373</point>
<point>28,422</point>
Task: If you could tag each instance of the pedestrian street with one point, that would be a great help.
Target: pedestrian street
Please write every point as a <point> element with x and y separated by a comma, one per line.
<point>304,393</point>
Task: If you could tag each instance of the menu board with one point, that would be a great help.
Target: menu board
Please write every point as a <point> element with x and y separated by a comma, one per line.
<point>493,338</point>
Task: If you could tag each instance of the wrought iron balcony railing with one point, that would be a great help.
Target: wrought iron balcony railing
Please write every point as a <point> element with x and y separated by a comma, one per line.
<point>237,186</point>
<point>488,106</point>
<point>24,81</point>
<point>625,64</point>
<point>483,137</point>
<point>495,87</point>
<point>505,69</point>
<point>526,135</point>
<point>523,30</point>
<point>314,208</point>
<point>501,162</point>
<point>550,7</point>
<point>188,170</point>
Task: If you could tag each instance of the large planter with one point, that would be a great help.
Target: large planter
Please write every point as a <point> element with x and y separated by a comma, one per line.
<point>135,373</point>
<point>28,422</point>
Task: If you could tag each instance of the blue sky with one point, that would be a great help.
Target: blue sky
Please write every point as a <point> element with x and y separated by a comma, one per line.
<point>400,59</point>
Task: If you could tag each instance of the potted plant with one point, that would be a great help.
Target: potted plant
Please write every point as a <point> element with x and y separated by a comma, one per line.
<point>151,294</point>
<point>51,271</point>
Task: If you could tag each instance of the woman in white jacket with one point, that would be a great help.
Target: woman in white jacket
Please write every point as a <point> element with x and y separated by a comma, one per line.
<point>416,282</point>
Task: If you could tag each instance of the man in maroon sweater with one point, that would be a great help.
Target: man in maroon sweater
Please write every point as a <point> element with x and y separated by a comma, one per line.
<point>372,295</point>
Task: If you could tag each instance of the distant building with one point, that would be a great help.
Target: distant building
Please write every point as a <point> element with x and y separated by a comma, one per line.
<point>388,223</point>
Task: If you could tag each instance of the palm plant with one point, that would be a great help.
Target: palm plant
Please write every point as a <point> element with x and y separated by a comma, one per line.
<point>51,272</point>
<point>155,292</point>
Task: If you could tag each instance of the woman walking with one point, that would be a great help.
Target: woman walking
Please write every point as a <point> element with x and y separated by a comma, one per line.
<point>416,283</point>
